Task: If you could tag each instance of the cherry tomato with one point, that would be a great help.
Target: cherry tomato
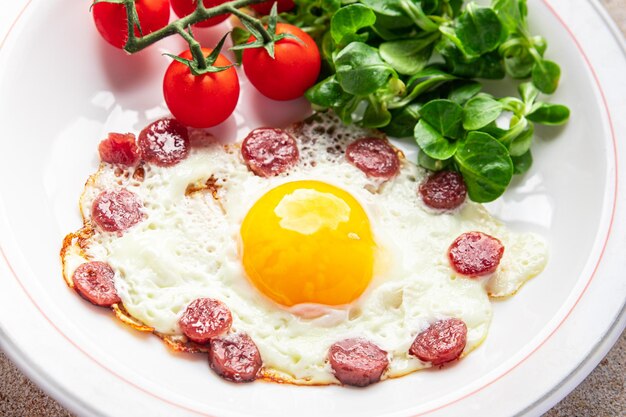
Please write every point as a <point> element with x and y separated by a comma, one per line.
<point>293,70</point>
<point>266,7</point>
<point>204,100</point>
<point>111,21</point>
<point>183,8</point>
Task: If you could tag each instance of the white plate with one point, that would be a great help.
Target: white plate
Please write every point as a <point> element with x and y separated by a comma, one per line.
<point>62,89</point>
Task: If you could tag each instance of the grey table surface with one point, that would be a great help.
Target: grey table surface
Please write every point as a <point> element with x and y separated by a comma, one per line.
<point>601,394</point>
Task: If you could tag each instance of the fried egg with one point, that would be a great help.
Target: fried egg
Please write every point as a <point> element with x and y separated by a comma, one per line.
<point>303,259</point>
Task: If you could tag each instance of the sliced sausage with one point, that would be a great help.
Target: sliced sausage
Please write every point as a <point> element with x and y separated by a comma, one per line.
<point>119,148</point>
<point>205,318</point>
<point>475,254</point>
<point>357,362</point>
<point>94,282</point>
<point>442,342</point>
<point>115,211</point>
<point>235,357</point>
<point>164,142</point>
<point>269,152</point>
<point>374,156</point>
<point>444,190</point>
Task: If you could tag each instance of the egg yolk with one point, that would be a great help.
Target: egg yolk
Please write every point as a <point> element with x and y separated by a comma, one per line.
<point>308,242</point>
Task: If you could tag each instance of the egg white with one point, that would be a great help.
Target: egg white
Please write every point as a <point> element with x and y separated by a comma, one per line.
<point>188,247</point>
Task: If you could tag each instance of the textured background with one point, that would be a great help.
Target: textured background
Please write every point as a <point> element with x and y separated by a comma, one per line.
<point>602,394</point>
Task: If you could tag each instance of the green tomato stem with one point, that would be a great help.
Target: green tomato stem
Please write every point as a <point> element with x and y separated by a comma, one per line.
<point>137,43</point>
<point>267,37</point>
<point>194,47</point>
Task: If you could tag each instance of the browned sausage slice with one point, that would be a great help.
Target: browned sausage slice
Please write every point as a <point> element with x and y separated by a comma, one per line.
<point>235,357</point>
<point>442,342</point>
<point>115,211</point>
<point>94,282</point>
<point>443,190</point>
<point>205,318</point>
<point>374,156</point>
<point>269,152</point>
<point>119,148</point>
<point>164,142</point>
<point>475,254</point>
<point>357,362</point>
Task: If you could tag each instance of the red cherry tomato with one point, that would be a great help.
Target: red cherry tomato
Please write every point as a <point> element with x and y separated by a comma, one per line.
<point>183,8</point>
<point>204,100</point>
<point>111,21</point>
<point>291,72</point>
<point>266,7</point>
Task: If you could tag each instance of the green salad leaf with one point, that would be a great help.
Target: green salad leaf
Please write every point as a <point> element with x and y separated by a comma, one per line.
<point>477,31</point>
<point>549,114</point>
<point>347,21</point>
<point>486,166</point>
<point>445,116</point>
<point>479,111</point>
<point>412,68</point>
<point>407,56</point>
<point>361,70</point>
<point>546,76</point>
<point>522,163</point>
<point>432,142</point>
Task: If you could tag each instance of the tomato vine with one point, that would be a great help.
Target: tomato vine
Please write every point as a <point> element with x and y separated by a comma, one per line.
<point>183,25</point>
